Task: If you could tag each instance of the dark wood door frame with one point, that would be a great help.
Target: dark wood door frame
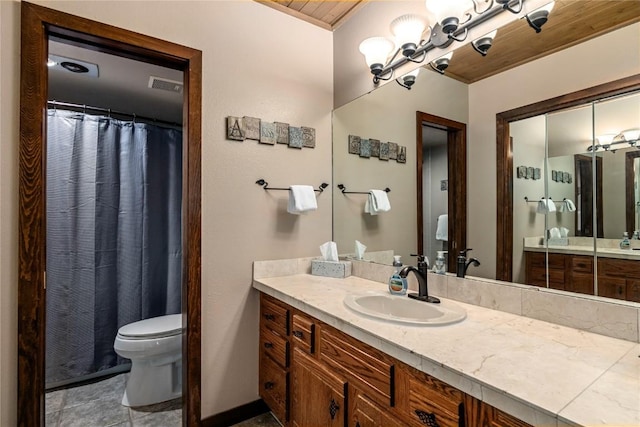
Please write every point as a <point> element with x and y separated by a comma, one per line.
<point>630,198</point>
<point>457,177</point>
<point>585,188</point>
<point>38,23</point>
<point>504,169</point>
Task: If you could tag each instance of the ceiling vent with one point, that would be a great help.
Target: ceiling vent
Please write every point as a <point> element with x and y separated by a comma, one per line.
<point>165,84</point>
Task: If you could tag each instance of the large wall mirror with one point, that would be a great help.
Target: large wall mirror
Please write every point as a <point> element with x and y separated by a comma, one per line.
<point>574,178</point>
<point>391,114</point>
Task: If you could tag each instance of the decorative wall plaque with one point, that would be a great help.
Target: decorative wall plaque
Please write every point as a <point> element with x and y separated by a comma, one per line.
<point>384,151</point>
<point>282,133</point>
<point>267,133</point>
<point>393,151</point>
<point>308,137</point>
<point>235,130</point>
<point>251,128</point>
<point>375,147</point>
<point>365,148</point>
<point>354,144</point>
<point>295,137</point>
<point>402,154</point>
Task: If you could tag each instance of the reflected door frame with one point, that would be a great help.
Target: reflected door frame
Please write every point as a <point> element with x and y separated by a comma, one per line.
<point>457,183</point>
<point>630,199</point>
<point>504,164</point>
<point>38,23</point>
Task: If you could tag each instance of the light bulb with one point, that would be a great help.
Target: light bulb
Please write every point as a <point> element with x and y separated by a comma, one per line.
<point>605,139</point>
<point>376,50</point>
<point>631,134</point>
<point>408,30</point>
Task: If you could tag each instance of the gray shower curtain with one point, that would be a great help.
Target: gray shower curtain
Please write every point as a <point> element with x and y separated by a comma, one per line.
<point>114,251</point>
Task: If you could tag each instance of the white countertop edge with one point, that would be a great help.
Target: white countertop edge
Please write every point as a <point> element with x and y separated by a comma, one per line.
<point>481,390</point>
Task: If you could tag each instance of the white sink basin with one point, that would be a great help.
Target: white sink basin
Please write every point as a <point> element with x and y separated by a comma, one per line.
<point>405,310</point>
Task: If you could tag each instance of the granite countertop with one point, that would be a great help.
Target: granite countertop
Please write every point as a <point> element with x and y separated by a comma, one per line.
<point>542,373</point>
<point>586,250</point>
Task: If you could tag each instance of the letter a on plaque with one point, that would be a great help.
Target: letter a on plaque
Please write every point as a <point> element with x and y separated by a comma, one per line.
<point>234,129</point>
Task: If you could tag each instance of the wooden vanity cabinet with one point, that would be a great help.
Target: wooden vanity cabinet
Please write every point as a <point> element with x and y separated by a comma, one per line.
<point>617,278</point>
<point>321,376</point>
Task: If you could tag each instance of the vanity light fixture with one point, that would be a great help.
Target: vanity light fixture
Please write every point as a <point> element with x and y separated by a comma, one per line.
<point>610,140</point>
<point>505,6</point>
<point>51,63</point>
<point>441,63</point>
<point>451,21</point>
<point>538,17</point>
<point>408,79</point>
<point>376,50</point>
<point>483,44</point>
<point>630,135</point>
<point>407,30</point>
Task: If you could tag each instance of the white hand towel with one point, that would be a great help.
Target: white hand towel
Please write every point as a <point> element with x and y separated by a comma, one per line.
<point>542,206</point>
<point>442,227</point>
<point>569,205</point>
<point>377,201</point>
<point>551,206</point>
<point>554,233</point>
<point>302,199</point>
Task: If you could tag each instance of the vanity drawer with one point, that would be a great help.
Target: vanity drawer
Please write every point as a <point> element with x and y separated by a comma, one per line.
<point>303,332</point>
<point>582,264</point>
<point>633,290</point>
<point>274,388</point>
<point>274,346</point>
<point>273,315</point>
<point>538,277</point>
<point>581,283</point>
<point>618,268</point>
<point>432,400</point>
<point>557,261</point>
<point>368,368</point>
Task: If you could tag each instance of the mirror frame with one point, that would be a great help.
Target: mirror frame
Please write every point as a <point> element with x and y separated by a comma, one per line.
<point>37,23</point>
<point>630,200</point>
<point>504,148</point>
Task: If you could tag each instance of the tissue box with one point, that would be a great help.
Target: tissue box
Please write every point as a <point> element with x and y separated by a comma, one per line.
<point>558,241</point>
<point>338,269</point>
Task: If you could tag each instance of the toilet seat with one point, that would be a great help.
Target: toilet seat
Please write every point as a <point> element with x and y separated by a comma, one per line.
<point>155,327</point>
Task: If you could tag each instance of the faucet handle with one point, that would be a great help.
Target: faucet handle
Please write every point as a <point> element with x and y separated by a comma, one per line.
<point>464,252</point>
<point>421,259</point>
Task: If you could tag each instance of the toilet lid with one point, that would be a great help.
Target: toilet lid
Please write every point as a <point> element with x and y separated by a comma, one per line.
<point>155,327</point>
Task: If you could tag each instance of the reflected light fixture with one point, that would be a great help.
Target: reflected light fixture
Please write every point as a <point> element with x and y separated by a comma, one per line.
<point>630,135</point>
<point>441,63</point>
<point>51,63</point>
<point>483,44</point>
<point>538,17</point>
<point>408,79</point>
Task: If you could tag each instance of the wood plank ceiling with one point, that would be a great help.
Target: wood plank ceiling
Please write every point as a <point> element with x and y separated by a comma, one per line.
<point>571,22</point>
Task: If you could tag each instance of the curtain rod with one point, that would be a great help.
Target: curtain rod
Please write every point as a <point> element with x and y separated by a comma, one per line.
<point>109,111</point>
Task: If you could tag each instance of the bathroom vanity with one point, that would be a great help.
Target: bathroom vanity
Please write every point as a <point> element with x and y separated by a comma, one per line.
<point>324,364</point>
<point>571,268</point>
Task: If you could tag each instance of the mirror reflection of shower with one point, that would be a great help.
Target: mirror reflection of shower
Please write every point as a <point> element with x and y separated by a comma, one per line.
<point>114,239</point>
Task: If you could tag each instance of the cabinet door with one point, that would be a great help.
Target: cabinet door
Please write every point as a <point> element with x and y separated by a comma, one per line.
<point>366,413</point>
<point>612,287</point>
<point>318,396</point>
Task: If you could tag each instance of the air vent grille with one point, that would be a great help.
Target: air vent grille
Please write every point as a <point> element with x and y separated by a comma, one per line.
<point>165,84</point>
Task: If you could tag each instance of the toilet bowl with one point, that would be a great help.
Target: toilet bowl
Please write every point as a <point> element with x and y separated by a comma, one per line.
<point>155,348</point>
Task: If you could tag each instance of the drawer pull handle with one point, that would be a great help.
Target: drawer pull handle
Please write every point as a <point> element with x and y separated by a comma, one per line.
<point>268,345</point>
<point>427,418</point>
<point>333,408</point>
<point>268,385</point>
<point>270,316</point>
<point>298,334</point>
<point>357,423</point>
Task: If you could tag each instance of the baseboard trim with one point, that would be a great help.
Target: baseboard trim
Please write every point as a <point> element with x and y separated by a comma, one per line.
<point>236,415</point>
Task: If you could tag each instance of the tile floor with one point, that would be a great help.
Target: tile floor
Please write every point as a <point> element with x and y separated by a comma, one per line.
<point>98,405</point>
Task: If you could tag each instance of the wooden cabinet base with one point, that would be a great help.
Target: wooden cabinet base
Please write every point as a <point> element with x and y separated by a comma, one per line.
<point>348,383</point>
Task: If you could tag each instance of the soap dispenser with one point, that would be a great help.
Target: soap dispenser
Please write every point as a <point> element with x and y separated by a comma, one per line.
<point>625,243</point>
<point>397,285</point>
<point>440,266</point>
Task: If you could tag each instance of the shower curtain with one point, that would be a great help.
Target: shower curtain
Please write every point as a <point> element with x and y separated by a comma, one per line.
<point>114,251</point>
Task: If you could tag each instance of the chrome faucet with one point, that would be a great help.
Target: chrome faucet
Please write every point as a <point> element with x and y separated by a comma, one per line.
<point>421,274</point>
<point>463,263</point>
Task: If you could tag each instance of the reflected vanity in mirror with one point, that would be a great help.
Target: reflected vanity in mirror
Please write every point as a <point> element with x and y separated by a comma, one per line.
<point>575,242</point>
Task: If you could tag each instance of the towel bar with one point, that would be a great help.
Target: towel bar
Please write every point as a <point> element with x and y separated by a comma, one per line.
<point>344,190</point>
<point>536,201</point>
<point>265,185</point>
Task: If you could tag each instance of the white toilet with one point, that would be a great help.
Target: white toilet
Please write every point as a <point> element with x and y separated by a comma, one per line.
<point>155,348</point>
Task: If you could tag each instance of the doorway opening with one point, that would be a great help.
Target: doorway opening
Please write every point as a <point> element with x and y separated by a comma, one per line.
<point>449,146</point>
<point>39,24</point>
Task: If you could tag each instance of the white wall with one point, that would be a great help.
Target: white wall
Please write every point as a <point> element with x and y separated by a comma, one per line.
<point>256,62</point>
<point>388,114</point>
<point>569,70</point>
